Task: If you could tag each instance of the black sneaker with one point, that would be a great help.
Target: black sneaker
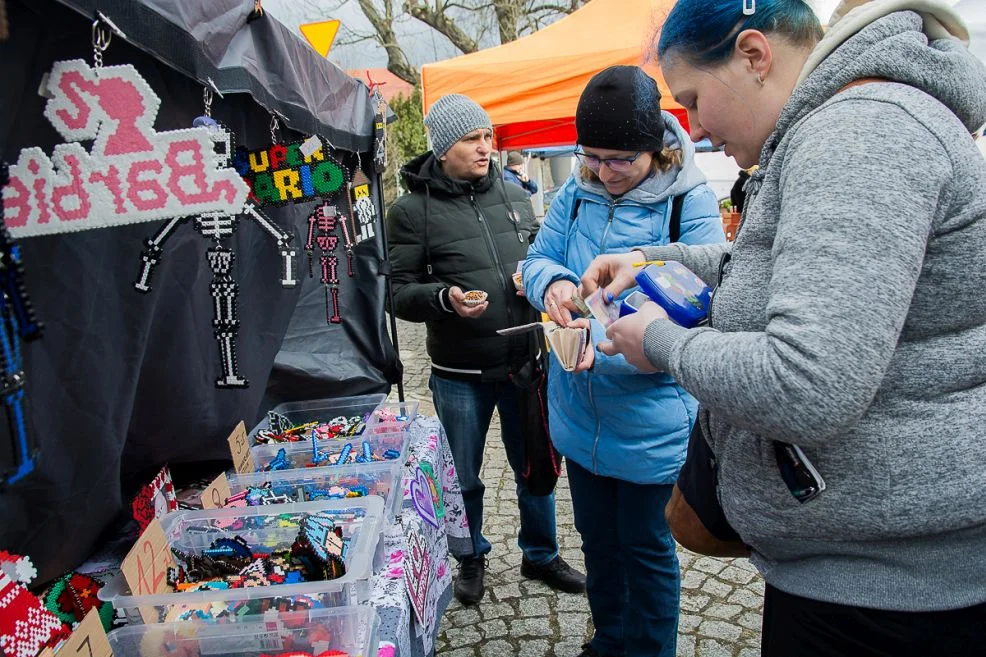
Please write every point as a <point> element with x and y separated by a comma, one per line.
<point>469,587</point>
<point>556,573</point>
<point>587,651</point>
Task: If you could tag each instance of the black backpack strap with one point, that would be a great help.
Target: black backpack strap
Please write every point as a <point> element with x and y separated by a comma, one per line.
<point>675,228</point>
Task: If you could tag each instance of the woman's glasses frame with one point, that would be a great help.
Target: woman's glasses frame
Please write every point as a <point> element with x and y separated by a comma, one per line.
<point>617,164</point>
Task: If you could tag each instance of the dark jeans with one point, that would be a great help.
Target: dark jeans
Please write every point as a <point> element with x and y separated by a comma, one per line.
<point>465,409</point>
<point>631,565</point>
<point>798,627</point>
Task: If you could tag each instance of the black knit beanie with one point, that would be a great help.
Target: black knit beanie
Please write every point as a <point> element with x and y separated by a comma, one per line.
<point>620,110</point>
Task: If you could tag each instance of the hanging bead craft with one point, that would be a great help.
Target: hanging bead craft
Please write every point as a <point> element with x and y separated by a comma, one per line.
<point>17,322</point>
<point>291,173</point>
<point>363,213</point>
<point>219,226</point>
<point>132,173</point>
<point>322,224</point>
<point>379,125</point>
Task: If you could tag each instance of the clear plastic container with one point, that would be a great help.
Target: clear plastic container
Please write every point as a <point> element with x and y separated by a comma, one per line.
<point>271,526</point>
<point>392,416</point>
<point>321,410</point>
<point>306,484</point>
<point>300,454</point>
<point>352,630</point>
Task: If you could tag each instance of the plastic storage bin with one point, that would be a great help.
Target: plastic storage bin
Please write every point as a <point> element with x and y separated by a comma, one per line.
<point>321,410</point>
<point>300,454</point>
<point>392,416</point>
<point>382,479</point>
<point>193,531</point>
<point>352,630</point>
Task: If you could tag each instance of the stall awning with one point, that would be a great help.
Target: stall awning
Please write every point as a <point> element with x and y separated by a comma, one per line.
<point>531,87</point>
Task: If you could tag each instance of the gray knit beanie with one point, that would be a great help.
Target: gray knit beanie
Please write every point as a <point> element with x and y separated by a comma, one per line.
<point>451,118</point>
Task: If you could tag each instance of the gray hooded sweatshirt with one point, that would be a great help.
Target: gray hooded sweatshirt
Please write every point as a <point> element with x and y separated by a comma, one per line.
<point>851,321</point>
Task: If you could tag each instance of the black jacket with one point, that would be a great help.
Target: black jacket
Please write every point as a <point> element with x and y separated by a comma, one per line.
<point>464,231</point>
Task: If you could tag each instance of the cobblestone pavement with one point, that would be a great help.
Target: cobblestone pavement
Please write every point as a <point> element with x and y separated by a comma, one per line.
<point>721,599</point>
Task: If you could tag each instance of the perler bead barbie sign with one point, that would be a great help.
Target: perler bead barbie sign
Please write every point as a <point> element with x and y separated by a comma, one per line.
<point>132,173</point>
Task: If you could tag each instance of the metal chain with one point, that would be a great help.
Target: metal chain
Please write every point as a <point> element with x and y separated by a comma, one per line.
<point>207,100</point>
<point>101,37</point>
<point>274,127</point>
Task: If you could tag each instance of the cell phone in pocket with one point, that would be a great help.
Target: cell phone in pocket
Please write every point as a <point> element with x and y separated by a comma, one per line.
<point>799,475</point>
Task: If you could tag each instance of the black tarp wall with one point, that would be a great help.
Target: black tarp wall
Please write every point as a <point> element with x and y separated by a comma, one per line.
<point>122,382</point>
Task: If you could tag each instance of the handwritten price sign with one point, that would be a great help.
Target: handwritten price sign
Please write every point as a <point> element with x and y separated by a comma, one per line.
<point>239,447</point>
<point>214,496</point>
<point>88,639</point>
<point>146,566</point>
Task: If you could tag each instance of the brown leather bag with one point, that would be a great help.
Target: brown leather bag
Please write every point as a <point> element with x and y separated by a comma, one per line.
<point>691,534</point>
<point>694,515</point>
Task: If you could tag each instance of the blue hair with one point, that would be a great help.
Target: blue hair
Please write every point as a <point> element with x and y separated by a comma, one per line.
<point>704,31</point>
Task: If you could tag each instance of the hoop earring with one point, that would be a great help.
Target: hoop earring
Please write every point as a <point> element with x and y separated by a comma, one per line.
<point>760,79</point>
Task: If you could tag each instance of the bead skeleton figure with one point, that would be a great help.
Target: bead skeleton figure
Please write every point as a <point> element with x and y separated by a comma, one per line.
<point>218,226</point>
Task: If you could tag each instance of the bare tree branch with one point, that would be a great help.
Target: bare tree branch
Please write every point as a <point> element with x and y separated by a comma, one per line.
<point>441,22</point>
<point>397,62</point>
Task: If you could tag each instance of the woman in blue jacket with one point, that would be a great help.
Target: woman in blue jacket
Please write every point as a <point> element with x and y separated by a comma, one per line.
<point>624,433</point>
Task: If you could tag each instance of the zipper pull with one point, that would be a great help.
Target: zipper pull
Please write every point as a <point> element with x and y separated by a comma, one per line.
<point>515,220</point>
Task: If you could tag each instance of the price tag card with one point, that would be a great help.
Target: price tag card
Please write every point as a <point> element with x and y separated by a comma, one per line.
<point>88,639</point>
<point>239,448</point>
<point>215,494</point>
<point>146,566</point>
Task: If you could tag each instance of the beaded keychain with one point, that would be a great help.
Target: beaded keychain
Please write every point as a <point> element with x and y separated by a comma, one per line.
<point>17,322</point>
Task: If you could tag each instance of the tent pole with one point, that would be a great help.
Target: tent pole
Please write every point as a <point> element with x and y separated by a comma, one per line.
<point>386,270</point>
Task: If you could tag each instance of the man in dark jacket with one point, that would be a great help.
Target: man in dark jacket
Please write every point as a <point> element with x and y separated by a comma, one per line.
<point>516,174</point>
<point>462,229</point>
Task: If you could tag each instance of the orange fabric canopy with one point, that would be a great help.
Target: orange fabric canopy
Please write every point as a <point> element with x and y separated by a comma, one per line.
<point>531,87</point>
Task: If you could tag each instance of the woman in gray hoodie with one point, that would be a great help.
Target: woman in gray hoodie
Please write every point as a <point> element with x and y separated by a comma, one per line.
<point>849,317</point>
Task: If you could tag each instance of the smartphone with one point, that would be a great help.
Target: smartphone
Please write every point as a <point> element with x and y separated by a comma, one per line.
<point>633,302</point>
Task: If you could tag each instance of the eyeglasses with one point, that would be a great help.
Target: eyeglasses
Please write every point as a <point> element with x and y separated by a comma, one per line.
<point>617,164</point>
<point>799,475</point>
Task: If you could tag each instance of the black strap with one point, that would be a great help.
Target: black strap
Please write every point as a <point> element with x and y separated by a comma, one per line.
<point>675,228</point>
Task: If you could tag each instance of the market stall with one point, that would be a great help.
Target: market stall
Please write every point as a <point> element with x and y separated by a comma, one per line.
<point>530,87</point>
<point>182,284</point>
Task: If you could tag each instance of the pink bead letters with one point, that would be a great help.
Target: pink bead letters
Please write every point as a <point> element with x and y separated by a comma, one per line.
<point>132,173</point>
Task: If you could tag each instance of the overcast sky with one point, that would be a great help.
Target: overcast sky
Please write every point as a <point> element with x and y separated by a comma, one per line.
<point>421,43</point>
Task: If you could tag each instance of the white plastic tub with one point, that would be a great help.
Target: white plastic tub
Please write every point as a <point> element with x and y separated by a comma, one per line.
<point>382,479</point>
<point>300,454</point>
<point>321,410</point>
<point>194,531</point>
<point>353,630</point>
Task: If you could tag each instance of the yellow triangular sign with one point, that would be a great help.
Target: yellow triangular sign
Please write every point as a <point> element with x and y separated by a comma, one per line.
<point>320,35</point>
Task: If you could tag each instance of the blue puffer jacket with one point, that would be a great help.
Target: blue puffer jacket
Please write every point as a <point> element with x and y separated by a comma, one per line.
<point>614,420</point>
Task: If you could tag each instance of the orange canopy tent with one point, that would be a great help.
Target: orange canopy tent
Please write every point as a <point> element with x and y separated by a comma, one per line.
<point>531,87</point>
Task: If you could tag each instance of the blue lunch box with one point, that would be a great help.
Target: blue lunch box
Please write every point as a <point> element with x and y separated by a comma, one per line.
<point>682,294</point>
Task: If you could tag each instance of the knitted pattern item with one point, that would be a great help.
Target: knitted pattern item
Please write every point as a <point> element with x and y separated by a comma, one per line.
<point>26,627</point>
<point>451,118</point>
